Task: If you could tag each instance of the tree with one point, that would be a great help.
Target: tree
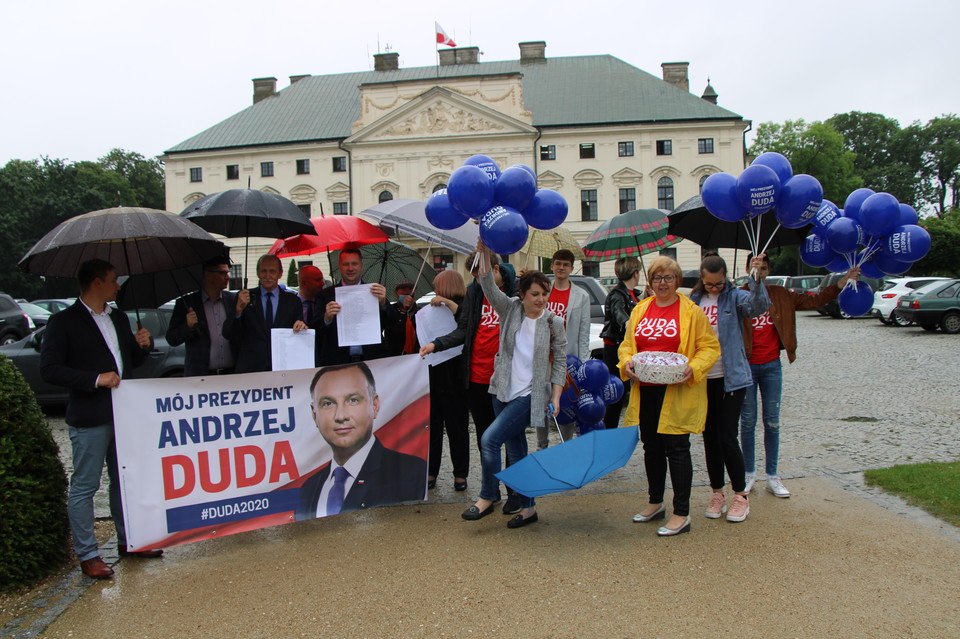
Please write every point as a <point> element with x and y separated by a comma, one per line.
<point>940,169</point>
<point>816,149</point>
<point>944,256</point>
<point>144,176</point>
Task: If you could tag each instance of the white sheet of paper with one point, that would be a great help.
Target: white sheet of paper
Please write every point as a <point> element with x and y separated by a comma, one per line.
<point>291,351</point>
<point>358,322</point>
<point>432,322</point>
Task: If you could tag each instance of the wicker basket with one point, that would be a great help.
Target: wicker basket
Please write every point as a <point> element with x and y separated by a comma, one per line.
<point>652,367</point>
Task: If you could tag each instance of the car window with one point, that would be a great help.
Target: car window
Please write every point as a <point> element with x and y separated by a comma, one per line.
<point>919,283</point>
<point>950,291</point>
<point>148,319</point>
<point>888,285</point>
<point>591,293</point>
<point>929,288</point>
<point>7,304</point>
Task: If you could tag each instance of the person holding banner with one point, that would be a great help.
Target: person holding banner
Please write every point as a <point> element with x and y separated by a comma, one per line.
<point>363,473</point>
<point>198,319</point>
<point>528,377</point>
<point>772,332</point>
<point>89,348</point>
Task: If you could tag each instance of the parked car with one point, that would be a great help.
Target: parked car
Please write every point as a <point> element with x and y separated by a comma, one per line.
<point>935,305</point>
<point>55,305</point>
<point>806,284</point>
<point>164,360</point>
<point>832,308</point>
<point>35,313</point>
<point>885,300</point>
<point>595,291</point>
<point>14,323</point>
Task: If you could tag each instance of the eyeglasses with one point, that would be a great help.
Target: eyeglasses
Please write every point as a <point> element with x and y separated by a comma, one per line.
<point>656,279</point>
<point>716,285</point>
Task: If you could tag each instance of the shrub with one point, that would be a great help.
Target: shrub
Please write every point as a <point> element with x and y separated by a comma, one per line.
<point>33,487</point>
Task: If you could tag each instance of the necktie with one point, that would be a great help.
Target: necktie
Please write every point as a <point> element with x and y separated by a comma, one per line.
<point>307,310</point>
<point>268,309</point>
<point>335,498</point>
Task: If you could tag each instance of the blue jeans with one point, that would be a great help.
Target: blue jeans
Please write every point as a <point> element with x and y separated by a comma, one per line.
<point>509,428</point>
<point>92,446</point>
<point>769,379</point>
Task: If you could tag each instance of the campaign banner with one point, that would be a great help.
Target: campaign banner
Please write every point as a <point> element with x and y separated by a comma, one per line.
<point>204,457</point>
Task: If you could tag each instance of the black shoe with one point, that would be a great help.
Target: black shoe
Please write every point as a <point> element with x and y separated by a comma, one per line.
<point>519,521</point>
<point>512,505</point>
<point>460,486</point>
<point>473,513</point>
<point>432,483</point>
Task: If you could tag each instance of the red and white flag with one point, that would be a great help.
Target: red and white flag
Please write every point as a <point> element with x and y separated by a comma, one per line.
<point>442,37</point>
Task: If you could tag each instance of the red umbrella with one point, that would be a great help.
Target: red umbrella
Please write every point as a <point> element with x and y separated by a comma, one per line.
<point>334,232</point>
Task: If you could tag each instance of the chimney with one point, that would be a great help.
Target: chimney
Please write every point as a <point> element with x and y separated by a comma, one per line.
<point>264,88</point>
<point>296,78</point>
<point>676,74</point>
<point>386,61</point>
<point>533,51</point>
<point>461,55</point>
<point>709,94</point>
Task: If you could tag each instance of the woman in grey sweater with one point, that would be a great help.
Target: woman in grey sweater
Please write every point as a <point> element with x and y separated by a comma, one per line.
<point>528,376</point>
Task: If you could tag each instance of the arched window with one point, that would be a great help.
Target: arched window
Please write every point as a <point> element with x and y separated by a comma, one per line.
<point>439,186</point>
<point>385,196</point>
<point>703,178</point>
<point>665,193</point>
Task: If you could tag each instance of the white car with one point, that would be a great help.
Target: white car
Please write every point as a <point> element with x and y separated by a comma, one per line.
<point>885,300</point>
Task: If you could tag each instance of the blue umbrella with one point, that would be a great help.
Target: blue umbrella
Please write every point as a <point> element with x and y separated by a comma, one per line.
<point>572,464</point>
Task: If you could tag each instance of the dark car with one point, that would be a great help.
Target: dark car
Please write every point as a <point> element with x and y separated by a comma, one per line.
<point>37,314</point>
<point>595,292</point>
<point>55,305</point>
<point>164,360</point>
<point>832,308</point>
<point>803,284</point>
<point>935,305</point>
<point>14,323</point>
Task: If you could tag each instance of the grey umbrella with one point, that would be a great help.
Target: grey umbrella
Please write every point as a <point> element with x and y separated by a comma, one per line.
<point>409,216</point>
<point>389,262</point>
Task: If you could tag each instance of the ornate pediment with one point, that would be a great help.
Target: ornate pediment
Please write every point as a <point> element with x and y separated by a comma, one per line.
<point>627,177</point>
<point>338,191</point>
<point>550,180</point>
<point>303,194</point>
<point>193,197</point>
<point>588,179</point>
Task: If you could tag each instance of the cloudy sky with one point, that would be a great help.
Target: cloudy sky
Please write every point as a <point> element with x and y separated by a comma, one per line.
<point>80,78</point>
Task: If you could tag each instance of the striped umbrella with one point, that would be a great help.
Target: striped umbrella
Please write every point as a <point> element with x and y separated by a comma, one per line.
<point>634,233</point>
<point>545,243</point>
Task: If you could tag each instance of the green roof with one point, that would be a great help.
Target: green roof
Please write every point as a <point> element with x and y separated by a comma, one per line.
<point>570,91</point>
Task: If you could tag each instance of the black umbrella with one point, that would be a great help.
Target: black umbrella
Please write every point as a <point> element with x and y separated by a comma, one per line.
<point>692,220</point>
<point>152,290</point>
<point>249,213</point>
<point>389,262</point>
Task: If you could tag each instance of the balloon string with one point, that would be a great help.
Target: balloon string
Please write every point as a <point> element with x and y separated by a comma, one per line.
<point>764,249</point>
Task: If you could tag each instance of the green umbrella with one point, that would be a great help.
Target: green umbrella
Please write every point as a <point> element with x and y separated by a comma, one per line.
<point>634,233</point>
<point>389,262</point>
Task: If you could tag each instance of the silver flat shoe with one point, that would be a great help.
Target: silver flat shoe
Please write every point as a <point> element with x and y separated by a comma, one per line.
<point>663,531</point>
<point>659,513</point>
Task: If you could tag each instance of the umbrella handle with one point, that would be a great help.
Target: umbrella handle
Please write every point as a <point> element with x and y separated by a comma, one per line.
<point>555,422</point>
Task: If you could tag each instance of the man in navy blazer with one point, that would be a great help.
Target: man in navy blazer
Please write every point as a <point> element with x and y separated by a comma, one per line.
<point>249,325</point>
<point>363,473</point>
<point>88,348</point>
<point>198,320</point>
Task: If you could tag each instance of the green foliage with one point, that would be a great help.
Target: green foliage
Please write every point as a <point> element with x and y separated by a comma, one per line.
<point>944,256</point>
<point>816,149</point>
<point>292,277</point>
<point>933,487</point>
<point>33,508</point>
<point>940,171</point>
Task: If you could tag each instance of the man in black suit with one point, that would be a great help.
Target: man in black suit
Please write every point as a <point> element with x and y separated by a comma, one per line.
<point>258,310</point>
<point>351,268</point>
<point>363,472</point>
<point>88,348</point>
<point>198,319</point>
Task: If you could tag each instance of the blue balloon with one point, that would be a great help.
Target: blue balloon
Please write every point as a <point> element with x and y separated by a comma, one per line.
<point>442,214</point>
<point>816,252</point>
<point>889,264</point>
<point>908,215</point>
<point>800,200</point>
<point>879,214</point>
<point>856,301</point>
<point>503,230</point>
<point>528,170</point>
<point>719,194</point>
<point>840,264</point>
<point>590,408</point>
<point>573,363</point>
<point>826,214</point>
<point>779,164</point>
<point>612,390</point>
<point>844,235</point>
<point>470,191</point>
<point>758,189</point>
<point>486,164</point>
<point>567,414</point>
<point>569,396</point>
<point>585,427</point>
<point>546,211</point>
<point>592,376</point>
<point>515,188</point>
<point>851,208</point>
<point>870,269</point>
<point>908,243</point>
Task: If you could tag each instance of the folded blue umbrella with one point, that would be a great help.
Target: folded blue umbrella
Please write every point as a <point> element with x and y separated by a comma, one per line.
<point>572,464</point>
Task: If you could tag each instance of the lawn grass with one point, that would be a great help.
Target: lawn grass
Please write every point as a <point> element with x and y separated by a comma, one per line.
<point>935,487</point>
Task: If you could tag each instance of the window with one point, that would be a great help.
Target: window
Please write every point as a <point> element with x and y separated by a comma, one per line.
<point>664,147</point>
<point>340,164</point>
<point>439,186</point>
<point>442,261</point>
<point>305,208</point>
<point>703,178</point>
<point>385,196</point>
<point>548,152</point>
<point>665,194</point>
<point>340,208</point>
<point>628,200</point>
<point>949,291</point>
<point>625,149</point>
<point>588,205</point>
<point>587,151</point>
<point>669,252</point>
<point>705,145</point>
<point>591,269</point>
<point>196,175</point>
<point>266,169</point>
<point>233,171</point>
<point>303,167</point>
<point>236,276</point>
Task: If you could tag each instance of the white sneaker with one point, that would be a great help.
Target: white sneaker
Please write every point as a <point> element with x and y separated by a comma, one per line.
<point>775,486</point>
<point>751,480</point>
